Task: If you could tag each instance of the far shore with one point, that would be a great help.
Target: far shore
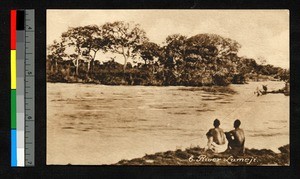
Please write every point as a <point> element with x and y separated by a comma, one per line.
<point>197,156</point>
<point>207,88</point>
<point>80,81</point>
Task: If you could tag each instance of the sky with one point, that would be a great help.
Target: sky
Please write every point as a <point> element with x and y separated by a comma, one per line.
<point>261,33</point>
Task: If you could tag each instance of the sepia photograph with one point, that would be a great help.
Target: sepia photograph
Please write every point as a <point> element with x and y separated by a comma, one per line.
<point>168,87</point>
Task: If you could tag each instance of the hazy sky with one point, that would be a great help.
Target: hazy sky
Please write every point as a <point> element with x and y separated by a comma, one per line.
<point>262,33</point>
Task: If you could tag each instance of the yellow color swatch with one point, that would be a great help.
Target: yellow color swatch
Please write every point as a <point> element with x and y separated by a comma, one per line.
<point>13,68</point>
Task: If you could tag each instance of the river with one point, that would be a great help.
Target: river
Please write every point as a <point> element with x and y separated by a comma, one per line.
<point>90,124</point>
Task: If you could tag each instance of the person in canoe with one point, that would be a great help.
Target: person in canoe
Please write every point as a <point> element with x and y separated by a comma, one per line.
<point>262,91</point>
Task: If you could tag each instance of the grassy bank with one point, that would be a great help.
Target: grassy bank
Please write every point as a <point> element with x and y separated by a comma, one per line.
<point>197,156</point>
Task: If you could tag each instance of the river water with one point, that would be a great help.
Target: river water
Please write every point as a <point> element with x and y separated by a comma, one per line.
<point>91,124</point>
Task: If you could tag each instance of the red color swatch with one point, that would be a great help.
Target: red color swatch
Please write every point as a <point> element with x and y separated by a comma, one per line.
<point>13,29</point>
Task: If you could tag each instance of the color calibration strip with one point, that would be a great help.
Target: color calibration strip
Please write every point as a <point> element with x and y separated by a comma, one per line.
<point>22,88</point>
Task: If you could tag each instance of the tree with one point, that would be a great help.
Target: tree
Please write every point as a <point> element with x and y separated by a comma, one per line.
<point>148,51</point>
<point>72,38</point>
<point>124,38</point>
<point>86,41</point>
<point>261,60</point>
<point>212,48</point>
<point>93,42</point>
<point>176,46</point>
<point>284,74</point>
<point>173,58</point>
<point>213,54</point>
<point>56,52</point>
<point>246,65</point>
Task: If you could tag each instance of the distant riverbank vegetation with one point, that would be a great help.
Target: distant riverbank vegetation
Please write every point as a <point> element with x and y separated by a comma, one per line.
<point>199,60</point>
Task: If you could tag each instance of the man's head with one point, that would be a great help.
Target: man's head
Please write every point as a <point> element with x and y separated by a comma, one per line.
<point>216,123</point>
<point>237,123</point>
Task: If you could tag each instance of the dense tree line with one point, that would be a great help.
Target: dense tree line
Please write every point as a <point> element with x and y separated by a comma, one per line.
<point>203,59</point>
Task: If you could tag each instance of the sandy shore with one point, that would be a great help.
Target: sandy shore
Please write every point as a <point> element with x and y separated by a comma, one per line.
<point>197,156</point>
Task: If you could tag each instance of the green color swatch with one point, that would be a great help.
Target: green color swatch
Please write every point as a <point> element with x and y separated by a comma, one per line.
<point>13,102</point>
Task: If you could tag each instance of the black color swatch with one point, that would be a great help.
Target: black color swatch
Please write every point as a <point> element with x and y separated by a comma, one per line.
<point>20,19</point>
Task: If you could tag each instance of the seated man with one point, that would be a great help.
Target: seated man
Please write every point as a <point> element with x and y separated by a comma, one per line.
<point>216,138</point>
<point>236,139</point>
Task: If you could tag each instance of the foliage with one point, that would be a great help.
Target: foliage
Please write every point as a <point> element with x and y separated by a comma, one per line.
<point>200,60</point>
<point>124,38</point>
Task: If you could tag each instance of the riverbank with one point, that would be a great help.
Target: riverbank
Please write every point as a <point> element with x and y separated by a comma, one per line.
<point>197,156</point>
<point>145,77</point>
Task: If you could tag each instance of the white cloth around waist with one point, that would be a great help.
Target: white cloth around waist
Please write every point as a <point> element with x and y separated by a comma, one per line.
<point>219,148</point>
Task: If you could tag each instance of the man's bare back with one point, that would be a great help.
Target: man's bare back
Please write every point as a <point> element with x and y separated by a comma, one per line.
<point>217,134</point>
<point>236,138</point>
<point>216,138</point>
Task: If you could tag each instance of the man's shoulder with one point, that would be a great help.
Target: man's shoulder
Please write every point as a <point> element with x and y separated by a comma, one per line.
<point>219,130</point>
<point>232,131</point>
<point>241,130</point>
<point>210,132</point>
<point>212,129</point>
